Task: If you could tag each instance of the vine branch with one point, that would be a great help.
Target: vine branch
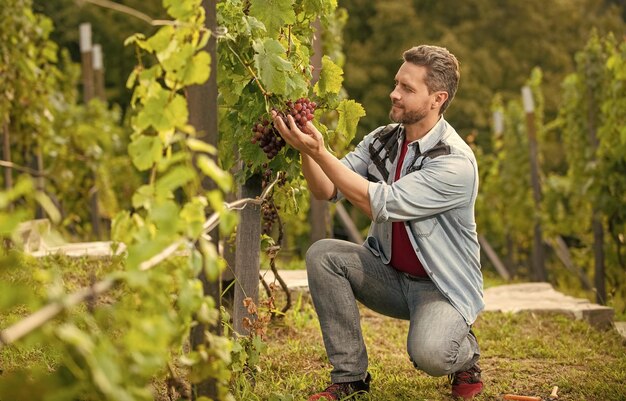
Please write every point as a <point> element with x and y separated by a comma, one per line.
<point>128,11</point>
<point>28,170</point>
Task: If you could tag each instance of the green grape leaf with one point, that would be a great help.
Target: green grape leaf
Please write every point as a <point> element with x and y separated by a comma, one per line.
<point>331,78</point>
<point>197,70</point>
<point>252,154</point>
<point>231,85</point>
<point>175,59</point>
<point>76,337</point>
<point>295,83</point>
<point>213,265</point>
<point>122,227</point>
<point>144,151</point>
<point>143,197</point>
<point>350,112</point>
<point>200,146</point>
<point>48,205</point>
<point>312,6</point>
<point>274,14</point>
<point>173,179</point>
<point>272,67</point>
<point>135,38</point>
<point>165,217</point>
<point>161,41</point>
<point>210,169</point>
<point>193,216</point>
<point>9,221</point>
<point>163,113</point>
<point>142,251</point>
<point>182,10</point>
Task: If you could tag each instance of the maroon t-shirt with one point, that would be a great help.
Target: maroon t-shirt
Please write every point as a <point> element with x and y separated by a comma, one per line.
<point>403,256</point>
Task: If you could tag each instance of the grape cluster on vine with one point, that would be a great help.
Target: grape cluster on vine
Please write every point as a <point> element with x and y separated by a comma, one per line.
<point>301,110</point>
<point>267,136</point>
<point>267,177</point>
<point>269,215</point>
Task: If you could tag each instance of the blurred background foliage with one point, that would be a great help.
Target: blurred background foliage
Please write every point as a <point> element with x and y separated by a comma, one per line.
<point>498,43</point>
<point>502,45</point>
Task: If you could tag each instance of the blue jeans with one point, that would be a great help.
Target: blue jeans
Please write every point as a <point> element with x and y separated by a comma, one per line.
<point>340,273</point>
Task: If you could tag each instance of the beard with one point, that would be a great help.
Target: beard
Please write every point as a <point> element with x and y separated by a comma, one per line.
<point>407,117</point>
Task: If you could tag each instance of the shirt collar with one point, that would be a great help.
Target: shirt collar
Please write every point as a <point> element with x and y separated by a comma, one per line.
<point>433,136</point>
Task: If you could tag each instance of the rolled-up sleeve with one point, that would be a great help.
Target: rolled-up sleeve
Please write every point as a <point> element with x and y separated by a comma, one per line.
<point>358,161</point>
<point>444,183</point>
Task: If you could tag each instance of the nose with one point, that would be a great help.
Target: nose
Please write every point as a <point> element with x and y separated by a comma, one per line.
<point>394,95</point>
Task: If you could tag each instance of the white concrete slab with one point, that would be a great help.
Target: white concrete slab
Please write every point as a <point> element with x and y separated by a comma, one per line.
<point>536,297</point>
<point>82,249</point>
<point>541,297</point>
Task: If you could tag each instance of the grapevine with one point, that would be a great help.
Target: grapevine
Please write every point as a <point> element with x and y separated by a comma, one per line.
<point>169,210</point>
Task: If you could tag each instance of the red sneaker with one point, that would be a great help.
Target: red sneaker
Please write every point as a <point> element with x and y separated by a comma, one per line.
<point>339,391</point>
<point>466,384</point>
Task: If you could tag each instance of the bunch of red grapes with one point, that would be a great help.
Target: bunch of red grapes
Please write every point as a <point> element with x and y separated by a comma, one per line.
<point>267,136</point>
<point>301,111</point>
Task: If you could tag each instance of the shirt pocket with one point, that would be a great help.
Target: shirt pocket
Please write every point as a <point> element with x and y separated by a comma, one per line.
<point>424,227</point>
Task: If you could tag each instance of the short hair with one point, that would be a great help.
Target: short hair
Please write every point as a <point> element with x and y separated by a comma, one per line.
<point>443,72</point>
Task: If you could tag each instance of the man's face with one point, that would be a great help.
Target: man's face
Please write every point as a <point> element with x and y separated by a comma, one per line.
<point>410,100</point>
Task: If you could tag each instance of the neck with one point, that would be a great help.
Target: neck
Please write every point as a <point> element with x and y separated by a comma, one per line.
<point>419,129</point>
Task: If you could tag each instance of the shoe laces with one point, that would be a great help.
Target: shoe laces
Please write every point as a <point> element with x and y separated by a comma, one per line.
<point>341,390</point>
<point>472,375</point>
<point>338,389</point>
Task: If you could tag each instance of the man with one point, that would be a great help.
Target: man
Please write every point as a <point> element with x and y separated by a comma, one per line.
<point>417,180</point>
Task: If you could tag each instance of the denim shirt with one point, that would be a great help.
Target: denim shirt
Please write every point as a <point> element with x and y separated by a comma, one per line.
<point>435,197</point>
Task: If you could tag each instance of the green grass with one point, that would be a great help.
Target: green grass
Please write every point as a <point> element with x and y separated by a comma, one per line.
<point>25,285</point>
<point>523,353</point>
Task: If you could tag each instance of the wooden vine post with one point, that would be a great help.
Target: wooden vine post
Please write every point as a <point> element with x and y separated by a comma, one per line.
<point>202,106</point>
<point>6,155</point>
<point>319,213</point>
<point>98,73</point>
<point>596,215</point>
<point>86,61</point>
<point>87,70</point>
<point>539,271</point>
<point>247,255</point>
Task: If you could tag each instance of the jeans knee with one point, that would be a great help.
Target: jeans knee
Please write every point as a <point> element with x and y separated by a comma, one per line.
<point>432,361</point>
<point>316,255</point>
<point>315,251</point>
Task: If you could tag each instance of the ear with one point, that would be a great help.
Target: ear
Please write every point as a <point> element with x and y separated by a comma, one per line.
<point>439,100</point>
